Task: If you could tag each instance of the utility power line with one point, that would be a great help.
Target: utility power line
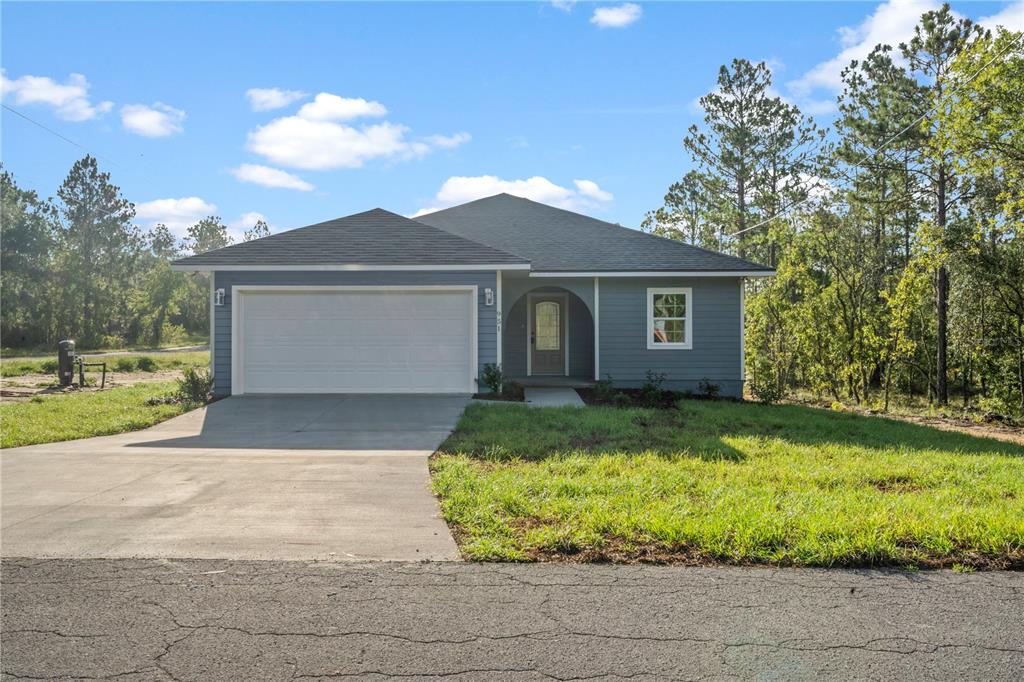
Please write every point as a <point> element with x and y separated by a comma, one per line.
<point>54,132</point>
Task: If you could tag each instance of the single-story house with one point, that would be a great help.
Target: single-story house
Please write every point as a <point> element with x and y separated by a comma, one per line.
<point>379,303</point>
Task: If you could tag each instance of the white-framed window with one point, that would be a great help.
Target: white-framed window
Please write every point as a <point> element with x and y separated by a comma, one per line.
<point>670,318</point>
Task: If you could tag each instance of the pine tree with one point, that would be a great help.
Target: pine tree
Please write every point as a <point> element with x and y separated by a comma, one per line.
<point>100,252</point>
<point>938,39</point>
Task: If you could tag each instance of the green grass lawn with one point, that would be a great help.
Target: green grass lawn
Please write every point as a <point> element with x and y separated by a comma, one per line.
<point>15,367</point>
<point>728,482</point>
<point>81,415</point>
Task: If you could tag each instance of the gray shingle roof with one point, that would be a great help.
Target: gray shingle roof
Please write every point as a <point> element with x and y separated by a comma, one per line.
<point>556,240</point>
<point>376,237</point>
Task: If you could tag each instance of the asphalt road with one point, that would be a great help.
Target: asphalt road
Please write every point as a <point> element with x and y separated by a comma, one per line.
<point>243,620</point>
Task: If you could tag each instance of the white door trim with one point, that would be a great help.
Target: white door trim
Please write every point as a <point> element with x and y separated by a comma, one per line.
<point>213,328</point>
<point>497,317</point>
<point>597,329</point>
<point>237,316</point>
<point>529,327</point>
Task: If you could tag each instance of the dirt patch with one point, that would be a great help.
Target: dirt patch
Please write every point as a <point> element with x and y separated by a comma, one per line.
<point>998,430</point>
<point>618,551</point>
<point>1009,434</point>
<point>637,397</point>
<point>27,386</point>
<point>500,397</point>
<point>897,485</point>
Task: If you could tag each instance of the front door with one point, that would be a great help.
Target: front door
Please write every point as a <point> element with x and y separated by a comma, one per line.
<point>547,336</point>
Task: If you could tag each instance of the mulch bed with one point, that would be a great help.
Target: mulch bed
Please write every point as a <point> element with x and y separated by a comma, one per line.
<point>512,393</point>
<point>636,397</point>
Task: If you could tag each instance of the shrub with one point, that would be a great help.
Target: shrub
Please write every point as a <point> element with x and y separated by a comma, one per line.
<point>492,377</point>
<point>652,391</point>
<point>124,365</point>
<point>195,385</point>
<point>708,390</point>
<point>604,390</point>
<point>765,389</point>
<point>145,363</point>
<point>513,391</point>
<point>48,366</point>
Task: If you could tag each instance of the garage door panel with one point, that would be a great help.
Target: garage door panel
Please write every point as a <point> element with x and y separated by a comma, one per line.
<point>349,341</point>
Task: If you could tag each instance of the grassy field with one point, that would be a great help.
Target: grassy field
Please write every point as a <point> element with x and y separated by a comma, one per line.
<point>51,350</point>
<point>16,367</point>
<point>81,415</point>
<point>728,482</point>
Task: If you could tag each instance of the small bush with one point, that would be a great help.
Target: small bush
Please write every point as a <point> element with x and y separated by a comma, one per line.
<point>604,390</point>
<point>492,377</point>
<point>145,363</point>
<point>652,392</point>
<point>124,365</point>
<point>513,391</point>
<point>48,366</point>
<point>195,385</point>
<point>765,389</point>
<point>708,390</point>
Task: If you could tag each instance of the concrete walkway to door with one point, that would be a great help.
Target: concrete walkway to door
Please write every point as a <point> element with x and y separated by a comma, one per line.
<point>255,477</point>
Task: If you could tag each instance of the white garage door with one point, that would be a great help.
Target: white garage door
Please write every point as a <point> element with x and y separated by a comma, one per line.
<point>355,341</point>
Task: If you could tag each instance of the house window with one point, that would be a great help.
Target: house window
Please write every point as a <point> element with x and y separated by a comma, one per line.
<point>669,318</point>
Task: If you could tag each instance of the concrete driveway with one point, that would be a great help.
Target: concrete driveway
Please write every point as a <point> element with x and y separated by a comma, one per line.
<point>254,477</point>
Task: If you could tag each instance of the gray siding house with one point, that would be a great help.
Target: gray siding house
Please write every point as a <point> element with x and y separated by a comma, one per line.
<point>379,303</point>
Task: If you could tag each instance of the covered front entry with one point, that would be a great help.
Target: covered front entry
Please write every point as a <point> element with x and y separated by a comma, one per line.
<point>548,326</point>
<point>547,335</point>
<point>354,340</point>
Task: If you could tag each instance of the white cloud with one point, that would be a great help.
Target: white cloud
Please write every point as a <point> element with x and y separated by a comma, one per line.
<point>564,5</point>
<point>449,141</point>
<point>328,107</point>
<point>460,189</point>
<point>159,120</point>
<point>177,214</point>
<point>1010,17</point>
<point>270,177</point>
<point>263,99</point>
<point>323,145</point>
<point>616,17</point>
<point>69,100</point>
<point>237,228</point>
<point>316,139</point>
<point>589,189</point>
<point>891,23</point>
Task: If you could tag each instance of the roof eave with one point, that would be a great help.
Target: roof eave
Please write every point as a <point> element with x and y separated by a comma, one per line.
<point>654,273</point>
<point>183,266</point>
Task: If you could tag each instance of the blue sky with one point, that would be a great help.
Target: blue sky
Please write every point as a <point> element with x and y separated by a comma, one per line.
<point>402,106</point>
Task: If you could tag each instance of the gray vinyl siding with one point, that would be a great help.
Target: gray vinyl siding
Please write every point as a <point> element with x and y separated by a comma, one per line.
<point>513,340</point>
<point>716,353</point>
<point>486,315</point>
<point>580,341</point>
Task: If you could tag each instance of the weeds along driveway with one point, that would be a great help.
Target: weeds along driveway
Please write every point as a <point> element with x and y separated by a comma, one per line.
<point>260,477</point>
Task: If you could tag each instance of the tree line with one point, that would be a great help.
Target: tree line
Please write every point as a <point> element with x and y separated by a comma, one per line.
<point>895,234</point>
<point>77,266</point>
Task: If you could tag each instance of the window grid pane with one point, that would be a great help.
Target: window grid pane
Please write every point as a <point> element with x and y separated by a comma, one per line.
<point>669,318</point>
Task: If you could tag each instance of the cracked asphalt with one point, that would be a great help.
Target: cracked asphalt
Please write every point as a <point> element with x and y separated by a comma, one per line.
<point>161,619</point>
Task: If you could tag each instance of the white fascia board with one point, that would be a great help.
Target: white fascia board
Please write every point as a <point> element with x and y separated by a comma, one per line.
<point>349,267</point>
<point>661,273</point>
